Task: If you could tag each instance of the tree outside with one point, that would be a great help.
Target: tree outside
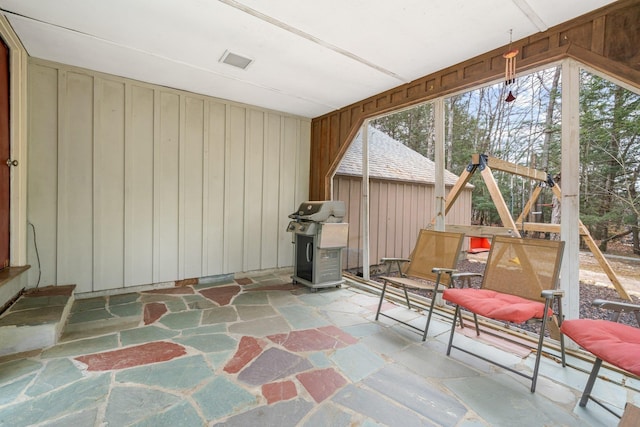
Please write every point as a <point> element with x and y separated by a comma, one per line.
<point>527,132</point>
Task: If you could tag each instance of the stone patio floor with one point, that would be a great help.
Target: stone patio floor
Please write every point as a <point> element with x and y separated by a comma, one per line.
<point>260,351</point>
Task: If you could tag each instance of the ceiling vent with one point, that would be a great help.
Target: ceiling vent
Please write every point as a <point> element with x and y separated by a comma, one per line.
<point>236,60</point>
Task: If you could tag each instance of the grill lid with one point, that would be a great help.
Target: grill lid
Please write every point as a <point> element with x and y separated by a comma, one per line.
<point>320,211</point>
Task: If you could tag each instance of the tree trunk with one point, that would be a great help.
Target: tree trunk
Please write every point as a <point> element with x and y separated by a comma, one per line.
<point>635,220</point>
<point>548,122</point>
<point>449,138</point>
<point>555,210</point>
<point>613,167</point>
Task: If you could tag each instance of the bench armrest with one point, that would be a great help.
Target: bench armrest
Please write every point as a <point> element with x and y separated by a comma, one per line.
<point>466,274</point>
<point>398,263</point>
<point>617,308</point>
<point>385,260</point>
<point>443,270</point>
<point>615,305</point>
<point>552,293</point>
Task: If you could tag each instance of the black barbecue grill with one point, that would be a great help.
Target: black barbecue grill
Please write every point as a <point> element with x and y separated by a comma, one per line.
<point>319,236</point>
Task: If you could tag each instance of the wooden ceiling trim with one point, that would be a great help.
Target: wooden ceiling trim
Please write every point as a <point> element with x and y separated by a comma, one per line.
<point>607,39</point>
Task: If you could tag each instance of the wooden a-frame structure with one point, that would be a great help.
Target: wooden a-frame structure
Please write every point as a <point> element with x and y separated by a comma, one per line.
<point>484,163</point>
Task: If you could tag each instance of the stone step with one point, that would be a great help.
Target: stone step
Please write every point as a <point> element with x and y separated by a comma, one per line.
<point>36,319</point>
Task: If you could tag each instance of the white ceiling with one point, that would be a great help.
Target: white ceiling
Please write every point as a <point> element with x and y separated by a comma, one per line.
<point>309,57</point>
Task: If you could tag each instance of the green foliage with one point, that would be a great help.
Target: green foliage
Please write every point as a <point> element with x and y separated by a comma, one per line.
<point>412,127</point>
<point>609,155</point>
<point>528,132</point>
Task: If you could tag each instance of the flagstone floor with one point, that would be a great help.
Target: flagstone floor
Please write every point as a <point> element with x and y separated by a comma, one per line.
<point>260,351</point>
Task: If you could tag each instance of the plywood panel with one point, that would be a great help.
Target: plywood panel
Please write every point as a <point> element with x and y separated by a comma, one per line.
<point>411,216</point>
<point>43,173</point>
<point>336,195</point>
<point>142,184</point>
<point>355,224</point>
<point>383,222</point>
<point>288,202</point>
<point>214,189</point>
<point>75,181</point>
<point>401,199</point>
<point>342,191</point>
<point>253,190</point>
<point>165,188</point>
<point>191,188</point>
<point>108,185</point>
<point>397,212</point>
<point>391,227</point>
<point>374,220</point>
<point>274,237</point>
<point>234,189</point>
<point>138,209</point>
<point>303,169</point>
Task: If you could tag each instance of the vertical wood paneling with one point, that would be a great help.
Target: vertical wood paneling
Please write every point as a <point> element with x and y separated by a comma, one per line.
<point>75,181</point>
<point>408,217</point>
<point>412,215</point>
<point>271,218</point>
<point>193,187</point>
<point>303,171</point>
<point>215,183</point>
<point>397,217</point>
<point>391,228</point>
<point>355,224</point>
<point>339,194</point>
<point>421,213</point>
<point>139,160</point>
<point>108,185</point>
<point>166,187</point>
<point>42,180</point>
<point>382,228</point>
<point>135,184</point>
<point>253,191</point>
<point>288,202</point>
<point>397,212</point>
<point>375,211</point>
<point>234,189</point>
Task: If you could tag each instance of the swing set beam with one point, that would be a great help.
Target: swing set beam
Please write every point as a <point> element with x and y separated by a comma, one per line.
<point>484,164</point>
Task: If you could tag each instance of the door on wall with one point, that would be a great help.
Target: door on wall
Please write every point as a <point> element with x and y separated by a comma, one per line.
<point>5,155</point>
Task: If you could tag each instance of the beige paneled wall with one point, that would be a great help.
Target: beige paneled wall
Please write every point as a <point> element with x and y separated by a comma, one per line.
<point>134,184</point>
<point>398,210</point>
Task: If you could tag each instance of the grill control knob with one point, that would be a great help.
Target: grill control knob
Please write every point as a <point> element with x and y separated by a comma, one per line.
<point>303,227</point>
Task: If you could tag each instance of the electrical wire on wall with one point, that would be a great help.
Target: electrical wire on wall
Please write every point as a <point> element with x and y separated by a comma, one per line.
<point>35,245</point>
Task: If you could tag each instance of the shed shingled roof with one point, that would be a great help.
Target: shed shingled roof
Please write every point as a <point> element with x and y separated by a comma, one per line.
<point>391,160</point>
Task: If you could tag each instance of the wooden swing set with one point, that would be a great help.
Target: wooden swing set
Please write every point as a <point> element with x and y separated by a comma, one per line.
<point>484,164</point>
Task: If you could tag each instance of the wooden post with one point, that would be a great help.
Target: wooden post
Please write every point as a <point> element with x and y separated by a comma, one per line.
<point>498,200</point>
<point>530,203</point>
<point>604,264</point>
<point>439,193</point>
<point>463,180</point>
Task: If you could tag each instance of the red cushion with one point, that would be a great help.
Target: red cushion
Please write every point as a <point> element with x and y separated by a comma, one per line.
<point>612,342</point>
<point>496,305</point>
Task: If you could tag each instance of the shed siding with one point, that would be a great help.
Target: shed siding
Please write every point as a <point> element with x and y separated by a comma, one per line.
<point>398,210</point>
